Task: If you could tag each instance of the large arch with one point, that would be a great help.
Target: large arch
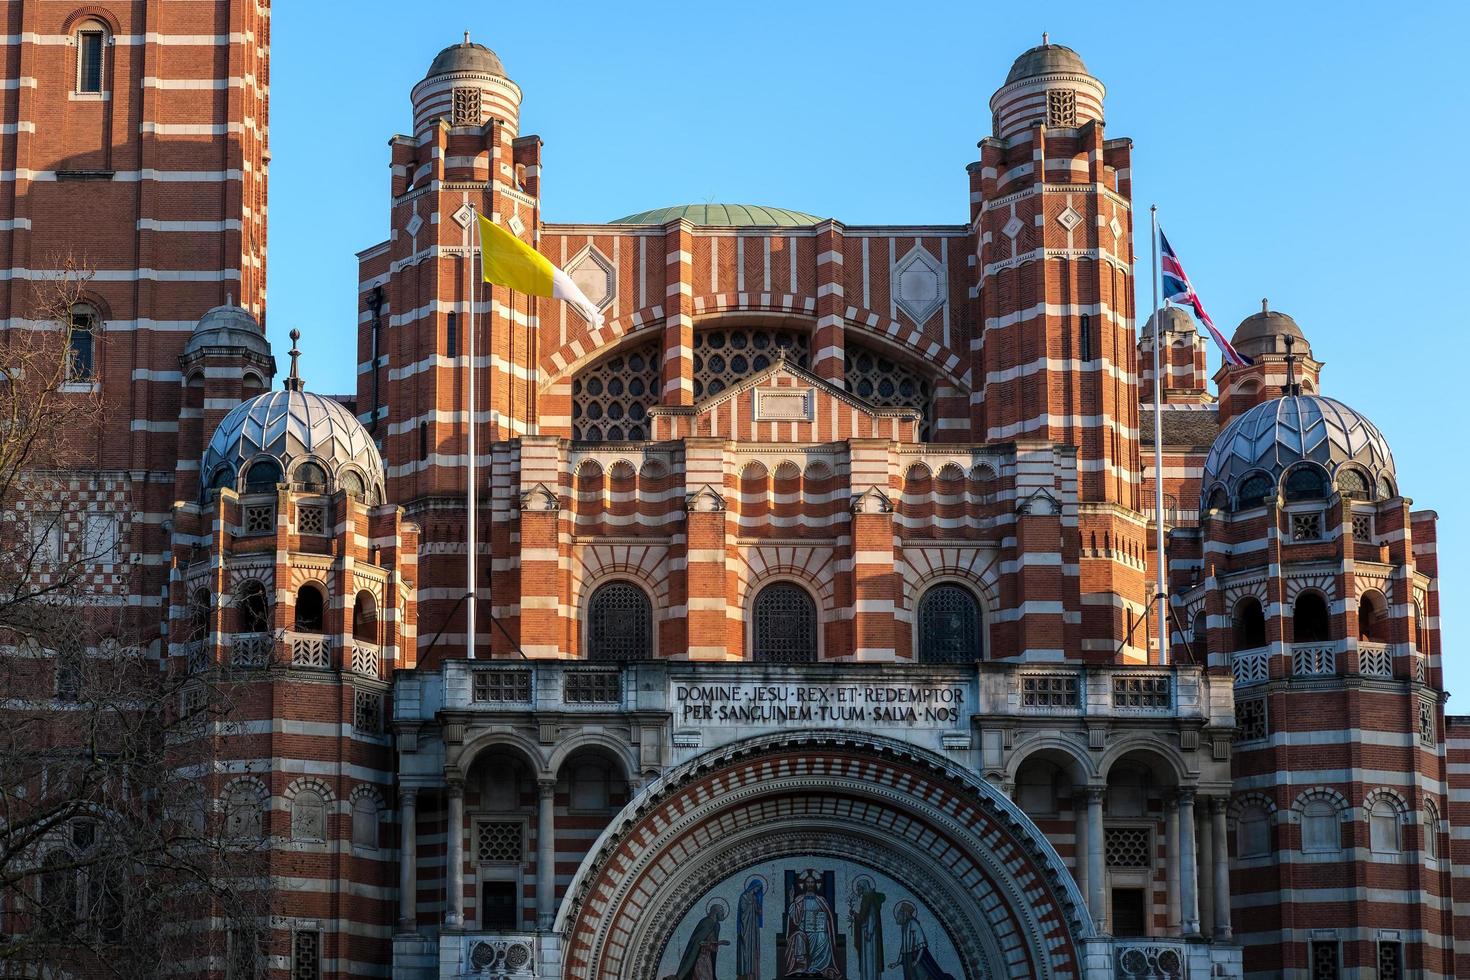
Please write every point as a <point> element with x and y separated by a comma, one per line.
<point>996,888</point>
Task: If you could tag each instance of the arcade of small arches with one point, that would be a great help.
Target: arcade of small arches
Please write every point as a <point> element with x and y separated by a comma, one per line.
<point>264,474</point>
<point>785,623</point>
<point>1309,621</point>
<point>611,396</point>
<point>1302,482</point>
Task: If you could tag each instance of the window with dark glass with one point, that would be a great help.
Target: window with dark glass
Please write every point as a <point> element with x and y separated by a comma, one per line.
<point>499,906</point>
<point>254,609</point>
<point>1253,490</point>
<point>264,474</point>
<point>311,476</point>
<point>451,335</point>
<point>785,625</point>
<point>90,45</point>
<point>309,609</point>
<point>1309,619</point>
<point>1305,483</point>
<point>1248,624</point>
<point>619,623</point>
<point>1085,348</point>
<point>1353,484</point>
<point>949,626</point>
<point>82,345</point>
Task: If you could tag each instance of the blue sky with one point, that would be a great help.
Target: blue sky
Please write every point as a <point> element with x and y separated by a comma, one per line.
<point>1306,152</point>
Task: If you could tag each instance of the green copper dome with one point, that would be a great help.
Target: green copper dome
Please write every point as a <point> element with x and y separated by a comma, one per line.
<point>722,215</point>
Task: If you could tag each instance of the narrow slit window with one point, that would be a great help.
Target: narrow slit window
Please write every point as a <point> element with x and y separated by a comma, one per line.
<point>90,45</point>
<point>451,336</point>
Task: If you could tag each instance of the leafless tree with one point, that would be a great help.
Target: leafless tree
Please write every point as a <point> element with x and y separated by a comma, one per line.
<point>117,856</point>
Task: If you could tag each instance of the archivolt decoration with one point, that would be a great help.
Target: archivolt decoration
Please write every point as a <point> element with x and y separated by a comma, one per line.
<point>1012,908</point>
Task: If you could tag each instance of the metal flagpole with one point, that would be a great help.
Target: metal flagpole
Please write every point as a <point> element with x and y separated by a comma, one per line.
<point>470,546</point>
<point>1162,595</point>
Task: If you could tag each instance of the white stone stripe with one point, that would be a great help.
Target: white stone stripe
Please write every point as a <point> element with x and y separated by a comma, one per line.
<point>127,275</point>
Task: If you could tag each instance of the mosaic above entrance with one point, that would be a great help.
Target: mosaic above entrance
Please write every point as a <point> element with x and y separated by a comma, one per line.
<point>809,918</point>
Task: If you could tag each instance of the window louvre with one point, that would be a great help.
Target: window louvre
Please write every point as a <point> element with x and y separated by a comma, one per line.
<point>726,357</point>
<point>1048,691</point>
<point>500,840</point>
<point>619,623</point>
<point>306,955</point>
<point>592,687</point>
<point>502,685</point>
<point>610,399</point>
<point>949,626</point>
<point>785,628</point>
<point>882,381</point>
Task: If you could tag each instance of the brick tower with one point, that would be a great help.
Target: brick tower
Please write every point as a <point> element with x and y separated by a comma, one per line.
<point>136,146</point>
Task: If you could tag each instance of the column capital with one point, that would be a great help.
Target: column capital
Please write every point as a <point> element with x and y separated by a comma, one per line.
<point>1171,802</point>
<point>408,795</point>
<point>1218,804</point>
<point>545,787</point>
<point>1186,794</point>
<point>454,786</point>
<point>1095,794</point>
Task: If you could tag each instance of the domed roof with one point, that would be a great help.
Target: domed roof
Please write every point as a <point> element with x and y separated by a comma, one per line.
<point>466,56</point>
<point>722,215</point>
<point>292,427</point>
<point>1174,319</point>
<point>1266,332</point>
<point>228,326</point>
<point>1272,436</point>
<point>1045,59</point>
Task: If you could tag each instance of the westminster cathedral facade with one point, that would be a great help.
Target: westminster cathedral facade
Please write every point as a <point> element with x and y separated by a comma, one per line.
<point>815,637</point>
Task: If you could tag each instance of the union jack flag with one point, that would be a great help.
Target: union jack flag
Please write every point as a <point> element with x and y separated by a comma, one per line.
<point>1177,289</point>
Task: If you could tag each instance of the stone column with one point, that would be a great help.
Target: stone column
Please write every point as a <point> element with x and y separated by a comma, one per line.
<point>1188,875</point>
<point>1205,872</point>
<point>454,876</point>
<point>1222,869</point>
<point>1171,859</point>
<point>546,853</point>
<point>1079,860</point>
<point>408,878</point>
<point>1096,895</point>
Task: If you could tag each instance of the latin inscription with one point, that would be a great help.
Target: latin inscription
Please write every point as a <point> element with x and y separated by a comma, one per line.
<point>917,706</point>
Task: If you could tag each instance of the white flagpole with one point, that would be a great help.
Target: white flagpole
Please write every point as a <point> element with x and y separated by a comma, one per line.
<point>1162,595</point>
<point>470,548</point>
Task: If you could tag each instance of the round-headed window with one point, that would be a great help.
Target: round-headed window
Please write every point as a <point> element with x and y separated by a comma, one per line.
<point>784,628</point>
<point>949,626</point>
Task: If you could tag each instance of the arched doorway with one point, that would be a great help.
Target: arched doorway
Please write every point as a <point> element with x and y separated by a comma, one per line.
<point>801,849</point>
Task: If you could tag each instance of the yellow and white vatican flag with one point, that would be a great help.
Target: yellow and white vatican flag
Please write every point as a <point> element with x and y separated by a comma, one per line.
<point>505,260</point>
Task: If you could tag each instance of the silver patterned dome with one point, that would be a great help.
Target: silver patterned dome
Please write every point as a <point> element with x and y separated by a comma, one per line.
<point>310,441</point>
<point>1252,453</point>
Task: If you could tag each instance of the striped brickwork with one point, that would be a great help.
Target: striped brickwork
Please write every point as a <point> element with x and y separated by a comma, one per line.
<point>310,707</point>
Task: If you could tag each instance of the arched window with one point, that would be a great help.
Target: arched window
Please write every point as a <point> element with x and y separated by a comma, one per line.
<point>199,607</point>
<point>1351,483</point>
<point>1253,490</point>
<point>255,613</point>
<point>59,894</point>
<point>222,478</point>
<point>1199,638</point>
<point>590,787</point>
<point>252,384</point>
<point>784,625</point>
<point>1319,826</point>
<point>1253,832</point>
<point>726,356</point>
<point>1383,827</point>
<point>1385,488</point>
<point>1431,831</point>
<point>353,484</point>
<point>365,617</point>
<point>880,380</point>
<point>610,399</point>
<point>949,626</point>
<point>619,623</point>
<point>91,55</point>
<point>1305,483</point>
<point>1309,619</point>
<point>311,476</point>
<point>1041,786</point>
<point>1219,499</point>
<point>310,609</point>
<point>365,822</point>
<point>1248,624</point>
<point>264,474</point>
<point>81,343</point>
<point>243,817</point>
<point>1373,617</point>
<point>308,816</point>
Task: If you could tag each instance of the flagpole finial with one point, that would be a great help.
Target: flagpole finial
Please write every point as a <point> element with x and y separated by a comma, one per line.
<point>466,38</point>
<point>1292,388</point>
<point>1265,305</point>
<point>1045,38</point>
<point>293,380</point>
